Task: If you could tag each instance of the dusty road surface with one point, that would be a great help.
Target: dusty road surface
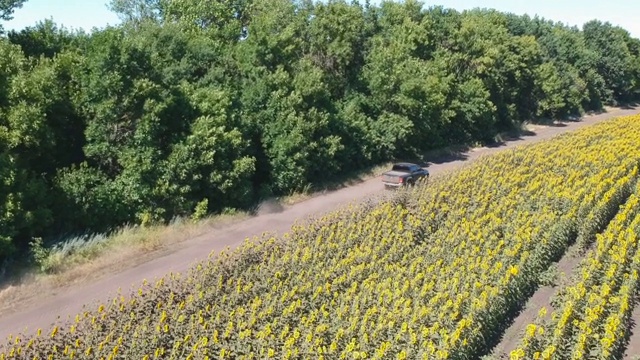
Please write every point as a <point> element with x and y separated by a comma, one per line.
<point>69,301</point>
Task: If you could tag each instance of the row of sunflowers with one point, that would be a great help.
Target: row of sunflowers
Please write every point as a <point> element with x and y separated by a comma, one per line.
<point>434,272</point>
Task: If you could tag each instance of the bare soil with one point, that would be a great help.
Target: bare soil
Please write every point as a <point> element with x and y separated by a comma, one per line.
<point>566,268</point>
<point>40,304</point>
<point>633,346</point>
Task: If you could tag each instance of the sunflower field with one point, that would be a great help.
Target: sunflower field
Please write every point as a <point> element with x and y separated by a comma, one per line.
<point>594,317</point>
<point>434,272</point>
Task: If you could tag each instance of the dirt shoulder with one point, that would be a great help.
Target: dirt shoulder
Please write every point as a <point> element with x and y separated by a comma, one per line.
<point>100,282</point>
<point>542,298</point>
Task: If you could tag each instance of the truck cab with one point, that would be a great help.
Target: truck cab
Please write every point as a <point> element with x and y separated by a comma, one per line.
<point>403,174</point>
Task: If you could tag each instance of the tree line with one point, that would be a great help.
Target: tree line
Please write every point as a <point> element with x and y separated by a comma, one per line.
<point>213,105</point>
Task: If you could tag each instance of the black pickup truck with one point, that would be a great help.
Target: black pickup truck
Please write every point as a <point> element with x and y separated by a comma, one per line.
<point>403,174</point>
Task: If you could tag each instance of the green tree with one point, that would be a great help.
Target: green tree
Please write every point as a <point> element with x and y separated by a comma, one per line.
<point>46,39</point>
<point>613,60</point>
<point>135,118</point>
<point>226,20</point>
<point>138,11</point>
<point>25,143</point>
<point>335,42</point>
<point>88,200</point>
<point>211,162</point>
<point>7,7</point>
<point>407,91</point>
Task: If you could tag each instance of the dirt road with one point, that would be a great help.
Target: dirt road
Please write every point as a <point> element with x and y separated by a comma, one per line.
<point>71,300</point>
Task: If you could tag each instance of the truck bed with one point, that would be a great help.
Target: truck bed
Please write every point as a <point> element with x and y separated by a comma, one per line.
<point>393,177</point>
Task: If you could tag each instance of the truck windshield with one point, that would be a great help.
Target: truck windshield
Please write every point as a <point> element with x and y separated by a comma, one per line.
<point>401,168</point>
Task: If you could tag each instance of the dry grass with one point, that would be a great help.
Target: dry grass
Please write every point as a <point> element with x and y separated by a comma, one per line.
<point>84,259</point>
<point>80,260</point>
<point>352,179</point>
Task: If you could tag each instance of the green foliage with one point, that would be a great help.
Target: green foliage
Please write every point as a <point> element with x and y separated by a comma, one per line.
<point>39,253</point>
<point>7,7</point>
<point>89,199</point>
<point>45,38</point>
<point>550,276</point>
<point>234,101</point>
<point>388,280</point>
<point>220,17</point>
<point>211,162</point>
<point>201,210</point>
<point>613,60</point>
<point>137,11</point>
